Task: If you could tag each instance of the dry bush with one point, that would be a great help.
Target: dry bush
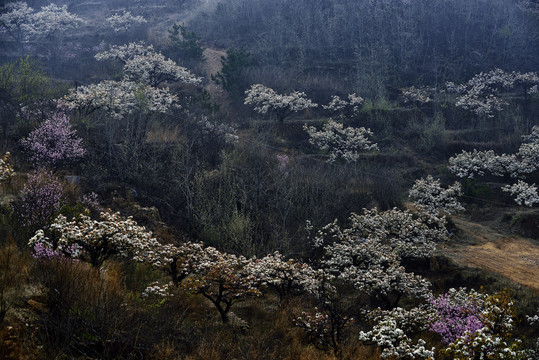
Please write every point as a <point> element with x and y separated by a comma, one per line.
<point>13,273</point>
<point>85,309</point>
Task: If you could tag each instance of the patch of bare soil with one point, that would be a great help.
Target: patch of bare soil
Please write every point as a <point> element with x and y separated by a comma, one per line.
<point>212,66</point>
<point>515,257</point>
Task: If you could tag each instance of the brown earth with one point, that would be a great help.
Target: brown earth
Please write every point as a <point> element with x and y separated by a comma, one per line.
<point>514,257</point>
<point>212,66</point>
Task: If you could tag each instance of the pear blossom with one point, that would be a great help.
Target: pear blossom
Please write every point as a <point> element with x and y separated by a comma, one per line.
<point>51,19</point>
<point>119,98</point>
<point>431,197</point>
<point>393,333</point>
<point>223,279</point>
<point>96,240</point>
<point>267,101</point>
<point>480,94</point>
<point>6,167</point>
<point>524,193</point>
<point>518,165</point>
<point>124,22</point>
<point>285,277</point>
<point>341,142</point>
<point>143,64</point>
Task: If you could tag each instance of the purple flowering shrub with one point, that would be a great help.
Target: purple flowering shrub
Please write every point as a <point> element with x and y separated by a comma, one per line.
<point>40,199</point>
<point>44,252</point>
<point>457,312</point>
<point>90,201</point>
<point>54,142</point>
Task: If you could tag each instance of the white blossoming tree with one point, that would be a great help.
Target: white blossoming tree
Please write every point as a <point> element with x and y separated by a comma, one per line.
<point>344,108</point>
<point>23,24</point>
<point>52,20</point>
<point>340,142</point>
<point>429,196</point>
<point>481,94</point>
<point>178,261</point>
<point>409,235</point>
<point>420,96</point>
<point>93,240</point>
<point>268,102</point>
<point>15,21</point>
<point>370,265</point>
<point>119,98</point>
<point>521,164</point>
<point>223,279</point>
<point>394,332</point>
<point>124,22</point>
<point>143,64</point>
<point>6,168</point>
<point>285,277</point>
<point>524,193</point>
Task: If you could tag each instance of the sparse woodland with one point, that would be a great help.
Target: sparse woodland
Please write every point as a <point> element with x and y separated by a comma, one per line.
<point>350,179</point>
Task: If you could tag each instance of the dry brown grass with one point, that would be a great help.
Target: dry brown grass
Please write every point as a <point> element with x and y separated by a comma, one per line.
<point>515,257</point>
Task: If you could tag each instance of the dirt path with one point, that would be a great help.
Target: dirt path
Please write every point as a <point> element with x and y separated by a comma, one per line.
<point>514,257</point>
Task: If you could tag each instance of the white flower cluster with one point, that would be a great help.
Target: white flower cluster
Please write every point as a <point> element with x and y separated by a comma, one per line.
<point>323,329</point>
<point>17,18</point>
<point>124,22</point>
<point>371,266</point>
<point>483,344</point>
<point>6,168</point>
<point>524,162</point>
<point>223,279</point>
<point>479,94</point>
<point>341,142</point>
<point>23,23</point>
<point>156,289</point>
<point>429,196</point>
<point>52,19</point>
<point>533,319</point>
<point>524,193</point>
<point>97,239</point>
<point>154,68</point>
<point>422,95</point>
<point>390,334</point>
<point>492,341</point>
<point>143,64</point>
<point>120,98</point>
<point>266,101</point>
<point>409,235</point>
<point>338,105</point>
<point>284,276</point>
<point>125,52</point>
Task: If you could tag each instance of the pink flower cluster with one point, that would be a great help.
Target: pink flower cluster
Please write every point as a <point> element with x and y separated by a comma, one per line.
<point>53,142</point>
<point>456,316</point>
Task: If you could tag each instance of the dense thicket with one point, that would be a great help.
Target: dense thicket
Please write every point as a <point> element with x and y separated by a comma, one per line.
<point>371,45</point>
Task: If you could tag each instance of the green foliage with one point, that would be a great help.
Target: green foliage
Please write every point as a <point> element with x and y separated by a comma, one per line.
<point>185,44</point>
<point>24,81</point>
<point>71,211</point>
<point>231,76</point>
<point>471,188</point>
<point>204,100</point>
<point>427,135</point>
<point>221,206</point>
